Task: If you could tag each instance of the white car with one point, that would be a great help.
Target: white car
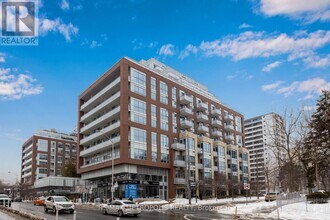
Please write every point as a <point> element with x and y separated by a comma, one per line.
<point>121,207</point>
<point>5,200</point>
<point>60,203</point>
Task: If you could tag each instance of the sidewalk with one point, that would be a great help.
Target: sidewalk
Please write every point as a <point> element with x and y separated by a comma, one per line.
<point>4,216</point>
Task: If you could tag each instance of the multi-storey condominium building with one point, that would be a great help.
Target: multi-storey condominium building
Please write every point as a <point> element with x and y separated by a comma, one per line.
<point>45,154</point>
<point>148,112</point>
<point>263,135</point>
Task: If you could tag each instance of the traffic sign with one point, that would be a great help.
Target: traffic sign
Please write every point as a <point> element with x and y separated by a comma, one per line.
<point>246,186</point>
<point>112,189</point>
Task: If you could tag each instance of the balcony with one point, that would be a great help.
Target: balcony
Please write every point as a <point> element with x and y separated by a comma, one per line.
<point>28,148</point>
<point>96,135</point>
<point>216,112</point>
<point>185,111</point>
<point>216,123</point>
<point>215,154</point>
<point>202,129</point>
<point>215,168</point>
<point>230,137</point>
<point>200,150</point>
<point>27,168</point>
<point>184,99</point>
<point>229,117</point>
<point>202,117</point>
<point>201,106</point>
<point>186,123</point>
<point>229,127</point>
<point>179,163</point>
<point>113,100</point>
<point>27,174</point>
<point>94,124</point>
<point>102,93</point>
<point>100,147</point>
<point>200,166</point>
<point>178,181</point>
<point>27,155</point>
<point>27,162</point>
<point>216,133</point>
<point>178,146</point>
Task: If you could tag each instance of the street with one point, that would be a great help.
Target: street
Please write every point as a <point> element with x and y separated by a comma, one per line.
<point>88,214</point>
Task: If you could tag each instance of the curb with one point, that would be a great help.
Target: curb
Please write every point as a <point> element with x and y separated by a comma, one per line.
<point>21,214</point>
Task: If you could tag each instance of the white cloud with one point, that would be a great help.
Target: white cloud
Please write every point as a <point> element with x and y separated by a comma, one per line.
<point>65,6</point>
<point>309,108</point>
<point>317,62</point>
<point>258,44</point>
<point>16,86</point>
<point>309,88</point>
<point>141,45</point>
<point>56,25</point>
<point>92,44</point>
<point>307,10</point>
<point>245,25</point>
<point>95,44</point>
<point>231,77</point>
<point>188,50</point>
<point>271,66</point>
<point>271,86</point>
<point>167,50</point>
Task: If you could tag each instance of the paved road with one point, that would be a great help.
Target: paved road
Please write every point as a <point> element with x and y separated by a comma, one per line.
<point>86,214</point>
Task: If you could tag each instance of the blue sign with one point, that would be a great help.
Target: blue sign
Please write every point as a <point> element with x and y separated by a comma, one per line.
<point>131,191</point>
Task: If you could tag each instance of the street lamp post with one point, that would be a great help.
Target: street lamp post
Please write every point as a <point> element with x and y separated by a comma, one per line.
<point>112,163</point>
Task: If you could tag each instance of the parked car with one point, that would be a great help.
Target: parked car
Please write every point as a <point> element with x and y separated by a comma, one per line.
<point>39,201</point>
<point>271,196</point>
<point>5,200</point>
<point>58,203</point>
<point>18,199</point>
<point>121,207</point>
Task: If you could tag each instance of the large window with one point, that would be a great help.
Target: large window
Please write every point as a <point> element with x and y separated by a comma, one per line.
<point>165,156</point>
<point>154,146</point>
<point>138,146</point>
<point>238,123</point>
<point>42,145</point>
<point>174,123</point>
<point>222,166</point>
<point>164,119</point>
<point>138,111</point>
<point>207,162</point>
<point>153,89</point>
<point>138,82</point>
<point>239,140</point>
<point>173,97</point>
<point>221,151</point>
<point>153,116</point>
<point>163,93</point>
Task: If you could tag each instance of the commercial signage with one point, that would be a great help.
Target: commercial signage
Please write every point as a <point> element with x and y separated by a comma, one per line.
<point>131,191</point>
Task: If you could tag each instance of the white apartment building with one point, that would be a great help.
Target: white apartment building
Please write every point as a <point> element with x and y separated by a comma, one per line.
<point>262,135</point>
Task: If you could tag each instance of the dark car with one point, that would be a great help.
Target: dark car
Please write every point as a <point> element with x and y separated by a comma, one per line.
<point>18,199</point>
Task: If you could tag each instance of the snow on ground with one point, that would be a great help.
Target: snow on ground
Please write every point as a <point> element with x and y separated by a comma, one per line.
<point>299,211</point>
<point>151,202</point>
<point>294,211</point>
<point>185,202</point>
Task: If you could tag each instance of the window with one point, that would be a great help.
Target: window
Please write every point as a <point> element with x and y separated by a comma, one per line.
<point>239,140</point>
<point>207,162</point>
<point>173,97</point>
<point>43,157</point>
<point>153,116</point>
<point>238,123</point>
<point>42,145</point>
<point>163,93</point>
<point>221,151</point>
<point>163,119</point>
<point>153,89</point>
<point>138,145</point>
<point>222,166</point>
<point>42,163</point>
<point>206,147</point>
<point>165,156</point>
<point>154,146</point>
<point>244,157</point>
<point>43,170</point>
<point>138,111</point>
<point>174,123</point>
<point>138,82</point>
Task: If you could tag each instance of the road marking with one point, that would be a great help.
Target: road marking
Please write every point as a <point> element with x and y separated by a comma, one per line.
<point>186,217</point>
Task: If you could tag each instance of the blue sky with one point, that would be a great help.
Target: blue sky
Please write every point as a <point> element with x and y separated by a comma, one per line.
<point>257,56</point>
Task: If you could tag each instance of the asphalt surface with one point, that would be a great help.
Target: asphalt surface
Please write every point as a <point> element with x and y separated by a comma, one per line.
<point>90,214</point>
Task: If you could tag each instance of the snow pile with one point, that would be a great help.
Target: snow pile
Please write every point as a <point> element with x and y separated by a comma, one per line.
<point>153,202</point>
